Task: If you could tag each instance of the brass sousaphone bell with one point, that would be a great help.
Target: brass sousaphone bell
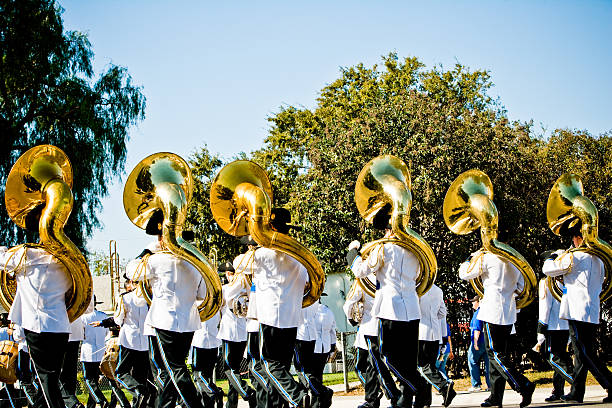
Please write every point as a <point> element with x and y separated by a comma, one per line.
<point>163,182</point>
<point>566,206</point>
<point>241,203</point>
<point>384,182</point>
<point>468,205</point>
<point>41,180</point>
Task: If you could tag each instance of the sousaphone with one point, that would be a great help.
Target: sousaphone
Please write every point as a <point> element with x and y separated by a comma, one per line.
<point>163,182</point>
<point>468,205</point>
<point>39,185</point>
<point>566,207</point>
<point>241,203</point>
<point>384,182</point>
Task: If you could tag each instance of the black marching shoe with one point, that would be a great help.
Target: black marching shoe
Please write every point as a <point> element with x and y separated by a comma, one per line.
<point>608,399</point>
<point>570,398</point>
<point>527,394</point>
<point>488,403</point>
<point>449,394</point>
<point>370,405</point>
<point>553,398</point>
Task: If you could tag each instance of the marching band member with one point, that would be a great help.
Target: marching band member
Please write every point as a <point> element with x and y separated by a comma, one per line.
<point>177,286</point>
<point>41,276</point>
<point>92,351</point>
<point>501,281</point>
<point>280,281</point>
<point>325,346</point>
<point>203,356</point>
<point>68,375</point>
<point>305,340</point>
<point>396,305</point>
<point>133,368</point>
<point>555,332</point>
<point>433,312</point>
<point>259,380</point>
<point>232,331</point>
<point>370,367</point>
<point>583,276</point>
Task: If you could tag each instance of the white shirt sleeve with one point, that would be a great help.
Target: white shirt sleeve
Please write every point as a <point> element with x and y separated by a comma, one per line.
<point>374,262</point>
<point>560,266</point>
<point>473,268</point>
<point>120,311</point>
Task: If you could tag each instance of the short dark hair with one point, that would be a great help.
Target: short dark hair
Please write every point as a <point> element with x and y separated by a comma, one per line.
<point>382,217</point>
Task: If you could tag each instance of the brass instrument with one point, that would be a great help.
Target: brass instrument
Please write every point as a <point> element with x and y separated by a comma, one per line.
<point>469,205</point>
<point>163,181</point>
<point>240,304</point>
<point>567,206</point>
<point>41,179</point>
<point>213,255</point>
<point>114,272</point>
<point>384,181</point>
<point>241,203</point>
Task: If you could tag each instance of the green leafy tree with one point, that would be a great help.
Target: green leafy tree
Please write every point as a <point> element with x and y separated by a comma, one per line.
<point>49,95</point>
<point>441,122</point>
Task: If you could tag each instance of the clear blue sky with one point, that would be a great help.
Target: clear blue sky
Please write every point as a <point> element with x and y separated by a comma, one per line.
<point>213,72</point>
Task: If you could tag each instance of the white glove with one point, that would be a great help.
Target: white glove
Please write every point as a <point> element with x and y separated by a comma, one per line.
<point>354,245</point>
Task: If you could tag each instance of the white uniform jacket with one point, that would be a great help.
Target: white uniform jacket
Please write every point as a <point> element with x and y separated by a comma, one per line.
<point>307,330</point>
<point>232,327</point>
<point>280,281</point>
<point>131,314</point>
<point>396,271</point>
<point>500,279</point>
<point>369,324</point>
<point>177,286</point>
<point>77,330</point>
<point>583,276</point>
<point>433,311</point>
<point>252,322</point>
<point>548,308</point>
<point>19,337</point>
<point>93,345</point>
<point>325,326</point>
<point>206,337</point>
<point>42,283</point>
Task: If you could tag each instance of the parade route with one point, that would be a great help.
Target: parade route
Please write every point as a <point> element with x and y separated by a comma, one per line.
<point>593,397</point>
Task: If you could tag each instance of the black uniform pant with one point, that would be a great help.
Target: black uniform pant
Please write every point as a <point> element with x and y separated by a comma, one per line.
<point>133,370</point>
<point>324,398</point>
<point>68,375</point>
<point>276,348</point>
<point>559,359</point>
<point>384,376</point>
<point>47,353</point>
<point>428,354</point>
<point>366,372</point>
<point>203,364</point>
<point>232,357</point>
<point>500,367</point>
<point>396,339</point>
<point>586,359</point>
<point>259,379</point>
<point>172,349</point>
<point>305,363</point>
<point>26,378</point>
<point>91,375</point>
<point>117,395</point>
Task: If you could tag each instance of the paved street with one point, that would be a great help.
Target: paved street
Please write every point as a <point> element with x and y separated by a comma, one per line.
<point>594,396</point>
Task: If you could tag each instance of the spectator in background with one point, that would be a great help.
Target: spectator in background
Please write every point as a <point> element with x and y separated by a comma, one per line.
<point>446,349</point>
<point>477,351</point>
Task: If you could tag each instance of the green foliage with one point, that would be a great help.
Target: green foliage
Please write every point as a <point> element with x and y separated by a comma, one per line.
<point>48,95</point>
<point>440,122</point>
